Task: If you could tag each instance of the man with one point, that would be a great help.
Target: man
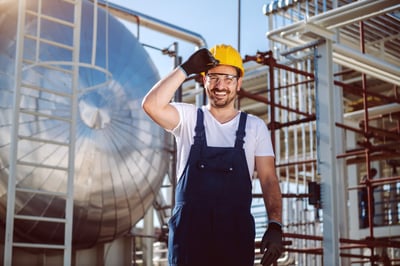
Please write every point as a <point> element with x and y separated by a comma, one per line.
<point>218,148</point>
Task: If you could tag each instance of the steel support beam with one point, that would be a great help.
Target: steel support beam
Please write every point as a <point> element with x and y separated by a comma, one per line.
<point>328,140</point>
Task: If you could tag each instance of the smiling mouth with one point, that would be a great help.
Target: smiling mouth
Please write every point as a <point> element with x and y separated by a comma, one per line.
<point>220,93</point>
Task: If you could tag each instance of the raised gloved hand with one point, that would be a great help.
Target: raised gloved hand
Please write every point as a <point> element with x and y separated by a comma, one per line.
<point>271,244</point>
<point>199,61</point>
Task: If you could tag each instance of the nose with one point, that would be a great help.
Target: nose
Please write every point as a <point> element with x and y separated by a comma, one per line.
<point>219,81</point>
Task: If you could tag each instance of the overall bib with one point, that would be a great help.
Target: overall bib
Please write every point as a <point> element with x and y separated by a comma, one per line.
<point>211,222</point>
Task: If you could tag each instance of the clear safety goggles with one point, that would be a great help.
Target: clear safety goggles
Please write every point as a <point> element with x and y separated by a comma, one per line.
<point>227,79</point>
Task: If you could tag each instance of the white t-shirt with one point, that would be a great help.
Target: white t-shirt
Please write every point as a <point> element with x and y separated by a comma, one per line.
<point>257,141</point>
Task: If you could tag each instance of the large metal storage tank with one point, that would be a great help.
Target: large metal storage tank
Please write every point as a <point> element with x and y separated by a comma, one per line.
<point>121,158</point>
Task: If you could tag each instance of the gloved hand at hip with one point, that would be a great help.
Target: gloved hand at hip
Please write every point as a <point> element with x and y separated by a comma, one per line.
<point>271,244</point>
<point>200,61</point>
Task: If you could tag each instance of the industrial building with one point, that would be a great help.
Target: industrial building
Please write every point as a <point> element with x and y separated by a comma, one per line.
<point>86,178</point>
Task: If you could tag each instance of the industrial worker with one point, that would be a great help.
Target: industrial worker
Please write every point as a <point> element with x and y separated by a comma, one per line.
<point>218,148</point>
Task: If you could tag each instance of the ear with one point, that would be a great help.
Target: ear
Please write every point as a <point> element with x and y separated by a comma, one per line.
<point>239,84</point>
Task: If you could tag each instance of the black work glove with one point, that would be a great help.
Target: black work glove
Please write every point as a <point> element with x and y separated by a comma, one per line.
<point>271,244</point>
<point>200,61</point>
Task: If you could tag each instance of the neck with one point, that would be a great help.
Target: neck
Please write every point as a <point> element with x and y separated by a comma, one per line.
<point>223,115</point>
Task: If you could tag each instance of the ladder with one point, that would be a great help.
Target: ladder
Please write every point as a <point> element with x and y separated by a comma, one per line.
<point>27,92</point>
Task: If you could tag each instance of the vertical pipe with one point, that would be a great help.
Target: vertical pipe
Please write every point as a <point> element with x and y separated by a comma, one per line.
<point>38,30</point>
<point>327,147</point>
<point>177,62</point>
<point>311,128</point>
<point>271,70</point>
<point>366,138</point>
<point>94,37</point>
<point>147,241</point>
<point>133,253</point>
<point>239,22</point>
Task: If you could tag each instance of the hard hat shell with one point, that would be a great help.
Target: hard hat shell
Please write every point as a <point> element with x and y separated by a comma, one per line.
<point>227,55</point>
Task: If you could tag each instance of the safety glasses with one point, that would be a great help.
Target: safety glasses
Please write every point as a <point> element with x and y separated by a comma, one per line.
<point>227,79</point>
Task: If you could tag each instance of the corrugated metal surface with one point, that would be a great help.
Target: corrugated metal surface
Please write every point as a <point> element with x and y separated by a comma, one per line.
<point>120,154</point>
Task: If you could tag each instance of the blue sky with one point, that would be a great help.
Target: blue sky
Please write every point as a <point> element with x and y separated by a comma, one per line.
<point>215,20</point>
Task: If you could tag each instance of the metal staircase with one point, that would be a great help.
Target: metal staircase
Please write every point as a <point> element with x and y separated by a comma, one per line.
<point>28,106</point>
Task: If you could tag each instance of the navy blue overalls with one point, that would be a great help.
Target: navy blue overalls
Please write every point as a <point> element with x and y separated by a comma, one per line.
<point>211,222</point>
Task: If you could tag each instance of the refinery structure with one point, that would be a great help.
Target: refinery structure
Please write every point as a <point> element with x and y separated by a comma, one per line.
<point>86,178</point>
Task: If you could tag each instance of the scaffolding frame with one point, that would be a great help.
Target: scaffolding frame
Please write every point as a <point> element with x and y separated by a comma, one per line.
<point>378,145</point>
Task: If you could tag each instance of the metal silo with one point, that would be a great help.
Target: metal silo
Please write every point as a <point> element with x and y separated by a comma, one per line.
<point>120,158</point>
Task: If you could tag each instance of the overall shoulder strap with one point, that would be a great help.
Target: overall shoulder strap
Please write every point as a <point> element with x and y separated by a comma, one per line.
<point>241,132</point>
<point>200,134</point>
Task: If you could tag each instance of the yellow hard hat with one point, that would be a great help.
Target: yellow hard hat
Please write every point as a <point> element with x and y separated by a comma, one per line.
<point>227,55</point>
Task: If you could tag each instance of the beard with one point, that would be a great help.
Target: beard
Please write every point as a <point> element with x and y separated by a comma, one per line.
<point>220,98</point>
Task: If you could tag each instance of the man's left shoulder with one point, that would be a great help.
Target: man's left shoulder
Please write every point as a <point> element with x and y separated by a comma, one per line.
<point>254,119</point>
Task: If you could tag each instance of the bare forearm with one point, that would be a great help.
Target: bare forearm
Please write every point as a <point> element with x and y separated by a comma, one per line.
<point>270,187</point>
<point>273,199</point>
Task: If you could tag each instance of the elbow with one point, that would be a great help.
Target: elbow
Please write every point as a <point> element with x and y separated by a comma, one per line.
<point>150,107</point>
<point>146,105</point>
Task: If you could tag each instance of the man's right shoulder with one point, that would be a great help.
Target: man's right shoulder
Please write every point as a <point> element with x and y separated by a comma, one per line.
<point>187,115</point>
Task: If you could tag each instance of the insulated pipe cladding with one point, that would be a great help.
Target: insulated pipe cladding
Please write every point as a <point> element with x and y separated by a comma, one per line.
<point>120,155</point>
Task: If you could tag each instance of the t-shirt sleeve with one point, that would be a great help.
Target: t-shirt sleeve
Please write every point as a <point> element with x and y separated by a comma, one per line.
<point>185,114</point>
<point>264,144</point>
